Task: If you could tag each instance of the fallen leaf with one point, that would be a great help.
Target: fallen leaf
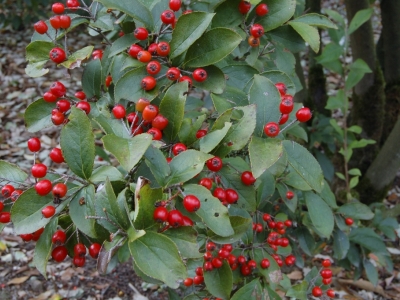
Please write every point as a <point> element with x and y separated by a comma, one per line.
<point>365,285</point>
<point>43,296</point>
<point>295,275</point>
<point>18,280</point>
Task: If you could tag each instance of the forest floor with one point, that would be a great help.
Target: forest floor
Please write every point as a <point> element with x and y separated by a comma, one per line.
<point>18,277</point>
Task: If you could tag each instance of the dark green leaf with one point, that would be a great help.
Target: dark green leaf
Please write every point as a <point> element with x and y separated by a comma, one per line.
<point>215,45</point>
<point>187,30</point>
<point>287,36</point>
<point>215,82</point>
<point>239,75</point>
<point>75,59</point>
<point>367,238</point>
<point>228,15</point>
<point>103,172</point>
<point>127,151</point>
<point>157,163</point>
<point>189,128</point>
<point>77,143</point>
<point>341,244</point>
<point>371,272</point>
<point>185,239</point>
<point>306,240</point>
<point>278,76</point>
<point>157,256</point>
<point>356,210</point>
<point>271,149</point>
<point>144,206</point>
<point>212,139</point>
<point>122,44</point>
<point>9,171</point>
<point>328,196</point>
<point>292,203</point>
<point>280,11</point>
<point>308,33</point>
<point>316,20</point>
<point>219,282</point>
<point>172,107</point>
<point>38,115</point>
<point>211,211</point>
<point>298,291</point>
<point>239,224</point>
<point>357,71</point>
<point>265,186</point>
<point>91,79</point>
<point>320,214</point>
<point>252,290</point>
<point>272,274</point>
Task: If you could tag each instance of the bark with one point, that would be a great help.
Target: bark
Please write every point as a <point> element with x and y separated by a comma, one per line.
<point>300,96</point>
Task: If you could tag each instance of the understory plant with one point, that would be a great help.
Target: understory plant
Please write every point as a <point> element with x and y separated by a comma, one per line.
<point>183,150</point>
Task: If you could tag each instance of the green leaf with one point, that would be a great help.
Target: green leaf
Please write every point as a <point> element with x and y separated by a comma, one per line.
<point>240,133</point>
<point>371,272</point>
<point>266,97</point>
<point>122,44</point>
<point>298,291</point>
<point>215,82</point>
<point>37,116</point>
<point>292,203</point>
<point>186,165</point>
<point>265,186</point>
<point>211,211</point>
<point>9,171</point>
<point>215,45</point>
<point>158,257</point>
<point>239,224</point>
<point>82,205</point>
<point>239,75</point>
<point>320,213</point>
<point>252,290</point>
<point>304,164</point>
<point>26,213</point>
<point>103,172</point>
<point>37,53</point>
<point>172,107</point>
<point>356,210</point>
<point>359,19</point>
<point>219,282</point>
<point>91,79</point>
<point>337,17</point>
<point>157,163</point>
<point>185,239</point>
<point>228,15</point>
<point>357,71</point>
<point>272,273</point>
<point>36,69</point>
<point>329,57</point>
<point>328,196</point>
<point>44,246</point>
<point>188,29</point>
<point>369,239</point>
<point>212,139</point>
<point>289,37</point>
<point>354,182</point>
<point>341,244</point>
<point>145,205</point>
<point>318,20</point>
<point>110,125</point>
<point>76,58</point>
<point>189,128</point>
<point>133,8</point>
<point>308,33</point>
<point>355,129</point>
<point>306,240</point>
<point>271,150</point>
<point>338,101</point>
<point>77,143</point>
<point>361,143</point>
<point>279,12</point>
<point>278,76</point>
<point>106,200</point>
<point>127,151</point>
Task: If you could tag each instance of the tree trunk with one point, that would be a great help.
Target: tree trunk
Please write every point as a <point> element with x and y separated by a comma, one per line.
<point>300,96</point>
<point>368,97</point>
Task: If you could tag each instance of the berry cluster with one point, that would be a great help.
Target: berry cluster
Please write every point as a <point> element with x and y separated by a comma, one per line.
<point>326,275</point>
<point>272,129</point>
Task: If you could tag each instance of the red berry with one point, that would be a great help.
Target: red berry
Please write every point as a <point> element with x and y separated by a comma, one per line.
<point>152,49</point>
<point>149,112</point>
<point>259,228</point>
<point>148,83</point>
<point>286,105</point>
<point>206,182</point>
<point>327,281</point>
<point>266,217</point>
<point>57,55</point>
<point>7,190</point>
<point>216,262</point>
<point>156,133</point>
<point>271,129</point>
<point>281,88</point>
<point>56,155</point>
<point>257,30</point>
<point>119,111</point>
<point>186,221</point>
<point>188,79</point>
<point>40,27</point>
<point>208,256</point>
<point>178,148</point>
<point>223,253</point>
<point>167,17</point>
<point>284,242</point>
<point>252,264</point>
<point>141,33</point>
<point>159,122</point>
<point>5,217</point>
<point>214,164</point>
<point>84,105</point>
<point>191,203</point>
<point>349,221</point>
<point>253,41</point>
<point>245,270</point>
<point>175,5</point>
<point>59,237</point>
<point>79,249</point>
<point>303,114</point>
<point>326,263</point>
<point>59,253</point>
<point>163,49</point>
<point>326,273</point>
<point>288,223</point>
<point>15,195</point>
<point>173,74</point>
<point>58,89</point>
<point>160,214</point>
<point>220,194</point>
<point>49,97</point>
<point>244,7</point>
<point>97,54</point>
<point>94,250</point>
<point>57,118</point>
<point>290,260</point>
<point>232,259</point>
<point>63,105</point>
<point>55,22</point>
<point>262,9</point>
<point>144,56</point>
<point>265,263</point>
<point>133,118</point>
<point>241,259</point>
<point>80,95</point>
<point>289,195</point>
<point>283,119</point>
<point>330,293</point>
<point>231,196</point>
<point>79,261</point>
<point>43,187</point>
<point>200,133</point>
<point>208,267</point>
<point>198,280</point>
<point>34,144</point>
<point>137,130</point>
<point>316,291</point>
<point>188,282</point>
<point>39,170</point>
<point>48,211</point>
<point>141,104</point>
<point>199,271</point>
<point>26,237</point>
<point>60,190</point>
<point>134,50</point>
<point>108,81</point>
<point>72,4</point>
<point>65,21</point>
<point>199,75</point>
<point>210,246</point>
<point>247,178</point>
<point>57,8</point>
<point>175,218</point>
<point>153,67</point>
<point>1,206</point>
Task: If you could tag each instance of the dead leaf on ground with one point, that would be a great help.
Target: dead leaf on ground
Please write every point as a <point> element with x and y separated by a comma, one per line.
<point>295,275</point>
<point>18,280</point>
<point>98,286</point>
<point>43,296</point>
<point>365,285</point>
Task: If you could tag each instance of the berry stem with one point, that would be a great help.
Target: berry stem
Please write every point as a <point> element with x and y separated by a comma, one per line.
<point>74,178</point>
<point>288,125</point>
<point>237,171</point>
<point>126,127</point>
<point>102,34</point>
<point>140,124</point>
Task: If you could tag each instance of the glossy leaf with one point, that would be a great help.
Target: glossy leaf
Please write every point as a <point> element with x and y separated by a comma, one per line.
<point>228,14</point>
<point>215,82</point>
<point>278,76</point>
